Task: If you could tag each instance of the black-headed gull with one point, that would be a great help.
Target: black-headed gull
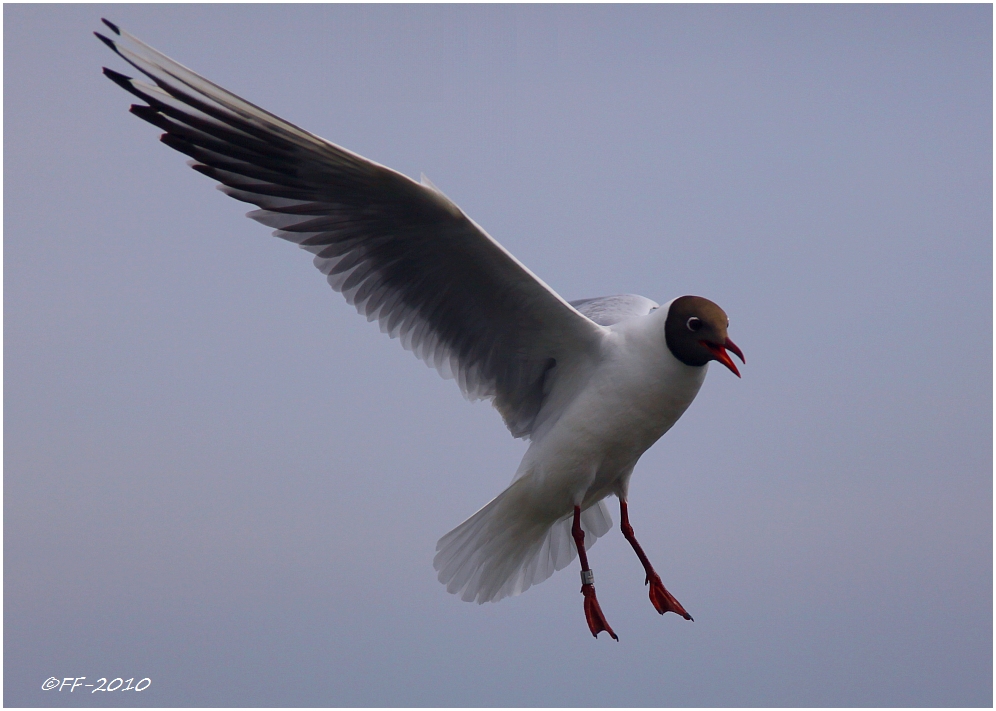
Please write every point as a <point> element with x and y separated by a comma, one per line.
<point>592,384</point>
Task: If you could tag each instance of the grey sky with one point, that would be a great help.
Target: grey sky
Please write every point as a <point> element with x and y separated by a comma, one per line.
<point>220,477</point>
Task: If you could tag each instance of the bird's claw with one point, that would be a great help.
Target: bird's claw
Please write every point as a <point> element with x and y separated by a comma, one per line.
<point>662,600</point>
<point>593,613</point>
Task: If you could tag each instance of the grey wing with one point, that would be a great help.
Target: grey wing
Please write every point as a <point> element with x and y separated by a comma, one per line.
<point>400,252</point>
<point>607,310</point>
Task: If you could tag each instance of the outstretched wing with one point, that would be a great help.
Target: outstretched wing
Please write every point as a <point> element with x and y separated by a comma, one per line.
<point>399,251</point>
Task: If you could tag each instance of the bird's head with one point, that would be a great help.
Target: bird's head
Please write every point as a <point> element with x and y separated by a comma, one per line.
<point>695,332</point>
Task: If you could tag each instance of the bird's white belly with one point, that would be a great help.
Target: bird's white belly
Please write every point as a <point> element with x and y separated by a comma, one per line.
<point>592,449</point>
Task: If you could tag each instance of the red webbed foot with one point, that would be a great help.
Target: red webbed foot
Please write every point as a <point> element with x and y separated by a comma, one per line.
<point>662,600</point>
<point>593,613</point>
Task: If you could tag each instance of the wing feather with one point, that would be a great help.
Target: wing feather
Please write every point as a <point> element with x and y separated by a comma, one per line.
<point>607,310</point>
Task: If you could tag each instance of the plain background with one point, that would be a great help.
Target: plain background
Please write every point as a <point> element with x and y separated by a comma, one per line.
<point>219,477</point>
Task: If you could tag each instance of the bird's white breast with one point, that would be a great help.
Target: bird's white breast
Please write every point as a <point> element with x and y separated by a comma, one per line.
<point>633,396</point>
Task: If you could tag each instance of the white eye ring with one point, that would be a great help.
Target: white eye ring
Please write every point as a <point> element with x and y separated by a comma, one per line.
<point>694,323</point>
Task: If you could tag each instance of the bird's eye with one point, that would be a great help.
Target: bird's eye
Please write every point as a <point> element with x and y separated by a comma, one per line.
<point>694,323</point>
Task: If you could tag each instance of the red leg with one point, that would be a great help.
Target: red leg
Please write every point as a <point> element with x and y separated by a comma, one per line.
<point>592,611</point>
<point>663,600</point>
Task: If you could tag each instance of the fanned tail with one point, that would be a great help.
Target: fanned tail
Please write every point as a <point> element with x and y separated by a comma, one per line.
<point>507,546</point>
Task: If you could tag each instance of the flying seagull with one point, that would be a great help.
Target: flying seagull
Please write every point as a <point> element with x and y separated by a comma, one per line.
<point>592,384</point>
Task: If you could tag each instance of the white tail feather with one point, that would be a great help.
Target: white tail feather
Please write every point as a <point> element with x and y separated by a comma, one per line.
<point>506,547</point>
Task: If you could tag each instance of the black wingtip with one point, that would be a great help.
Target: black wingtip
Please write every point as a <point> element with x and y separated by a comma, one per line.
<point>146,113</point>
<point>120,79</point>
<point>201,168</point>
<point>105,40</point>
<point>114,28</point>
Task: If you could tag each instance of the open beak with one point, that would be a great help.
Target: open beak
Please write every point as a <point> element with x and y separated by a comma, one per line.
<point>720,354</point>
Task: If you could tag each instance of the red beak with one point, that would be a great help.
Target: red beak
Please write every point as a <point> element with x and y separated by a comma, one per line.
<point>720,354</point>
